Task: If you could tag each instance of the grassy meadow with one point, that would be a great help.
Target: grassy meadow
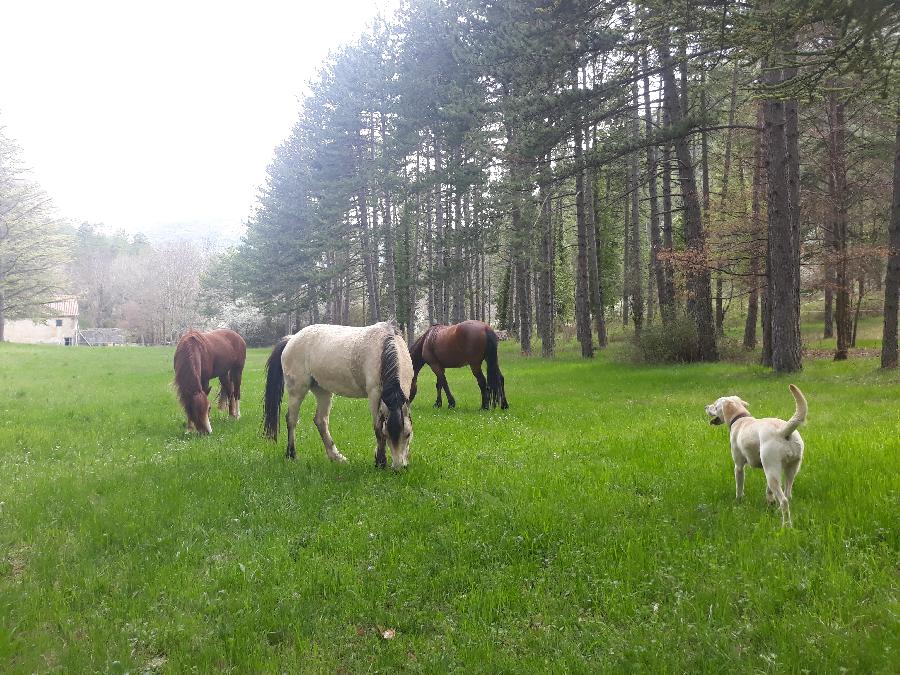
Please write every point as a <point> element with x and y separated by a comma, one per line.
<point>592,527</point>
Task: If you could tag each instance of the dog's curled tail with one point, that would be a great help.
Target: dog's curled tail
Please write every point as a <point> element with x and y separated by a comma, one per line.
<point>799,416</point>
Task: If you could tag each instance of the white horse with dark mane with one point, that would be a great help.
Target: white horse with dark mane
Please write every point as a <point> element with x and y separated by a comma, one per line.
<point>371,362</point>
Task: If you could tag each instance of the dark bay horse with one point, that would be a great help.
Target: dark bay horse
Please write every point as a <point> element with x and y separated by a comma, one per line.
<point>199,357</point>
<point>463,344</point>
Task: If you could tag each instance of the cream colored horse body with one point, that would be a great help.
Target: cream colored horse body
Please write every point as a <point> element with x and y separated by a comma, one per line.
<point>347,361</point>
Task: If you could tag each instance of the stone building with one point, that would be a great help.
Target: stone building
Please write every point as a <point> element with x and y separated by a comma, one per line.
<point>58,326</point>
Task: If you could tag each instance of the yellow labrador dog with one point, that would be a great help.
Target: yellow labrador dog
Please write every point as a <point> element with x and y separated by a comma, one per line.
<point>769,443</point>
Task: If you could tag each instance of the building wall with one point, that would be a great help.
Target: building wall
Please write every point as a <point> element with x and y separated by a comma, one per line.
<point>43,332</point>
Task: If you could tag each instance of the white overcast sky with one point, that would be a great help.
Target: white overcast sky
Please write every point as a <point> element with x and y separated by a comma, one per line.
<point>145,115</point>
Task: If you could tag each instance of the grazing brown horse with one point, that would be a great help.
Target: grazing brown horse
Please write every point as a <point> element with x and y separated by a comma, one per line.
<point>199,357</point>
<point>463,344</point>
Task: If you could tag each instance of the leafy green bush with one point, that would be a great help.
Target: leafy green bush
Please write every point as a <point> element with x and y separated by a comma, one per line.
<point>677,342</point>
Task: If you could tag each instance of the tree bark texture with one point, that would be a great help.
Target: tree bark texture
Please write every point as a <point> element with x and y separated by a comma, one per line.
<point>582,280</point>
<point>637,294</point>
<point>698,271</point>
<point>782,268</point>
<point>840,236</point>
<point>892,276</point>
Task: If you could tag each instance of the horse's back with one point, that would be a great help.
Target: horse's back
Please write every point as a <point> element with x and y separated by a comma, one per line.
<point>228,350</point>
<point>461,344</point>
<point>333,356</point>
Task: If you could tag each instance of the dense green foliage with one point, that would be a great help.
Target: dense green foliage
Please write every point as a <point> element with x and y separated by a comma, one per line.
<point>540,164</point>
<point>592,527</point>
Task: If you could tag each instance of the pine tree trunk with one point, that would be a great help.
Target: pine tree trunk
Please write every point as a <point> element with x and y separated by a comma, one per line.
<point>582,285</point>
<point>698,275</point>
<point>598,238</point>
<point>667,299</point>
<point>839,219</point>
<point>784,310</point>
<point>545,279</point>
<point>829,272</point>
<point>637,293</point>
<point>758,232</point>
<point>861,281</point>
<point>726,174</point>
<point>521,280</point>
<point>429,252</point>
<point>368,262</point>
<point>412,273</point>
<point>752,304</point>
<point>765,304</point>
<point>889,345</point>
<point>459,309</point>
<point>345,308</point>
<point>792,138</point>
<point>656,268</point>
<point>626,249</point>
<point>390,266</point>
<point>592,201</point>
<point>440,239</point>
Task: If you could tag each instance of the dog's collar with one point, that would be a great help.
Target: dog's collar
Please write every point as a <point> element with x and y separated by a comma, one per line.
<point>736,418</point>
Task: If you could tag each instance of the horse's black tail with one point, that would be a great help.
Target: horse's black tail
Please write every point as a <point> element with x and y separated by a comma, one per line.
<point>494,376</point>
<point>274,390</point>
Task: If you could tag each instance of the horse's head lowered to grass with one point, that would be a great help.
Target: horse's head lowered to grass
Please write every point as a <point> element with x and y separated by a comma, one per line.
<point>394,420</point>
<point>188,370</point>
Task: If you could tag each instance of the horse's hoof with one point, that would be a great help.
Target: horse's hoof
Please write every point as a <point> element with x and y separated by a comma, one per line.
<point>437,404</point>
<point>504,406</point>
<point>451,405</point>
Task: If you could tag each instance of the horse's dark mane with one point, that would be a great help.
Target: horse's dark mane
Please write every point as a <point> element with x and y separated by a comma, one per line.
<point>187,365</point>
<point>391,391</point>
<point>415,351</point>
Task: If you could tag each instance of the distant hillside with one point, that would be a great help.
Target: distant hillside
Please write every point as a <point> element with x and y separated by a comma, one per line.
<point>221,233</point>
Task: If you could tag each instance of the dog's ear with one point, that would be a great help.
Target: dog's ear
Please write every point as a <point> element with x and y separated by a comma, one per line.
<point>745,404</point>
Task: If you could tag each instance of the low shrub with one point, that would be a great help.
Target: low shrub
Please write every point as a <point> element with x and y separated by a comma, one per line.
<point>676,342</point>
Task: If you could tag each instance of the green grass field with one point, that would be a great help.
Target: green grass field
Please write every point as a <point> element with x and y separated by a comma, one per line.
<point>592,527</point>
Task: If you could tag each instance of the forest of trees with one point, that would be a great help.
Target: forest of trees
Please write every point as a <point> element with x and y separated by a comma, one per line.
<point>549,166</point>
<point>542,164</point>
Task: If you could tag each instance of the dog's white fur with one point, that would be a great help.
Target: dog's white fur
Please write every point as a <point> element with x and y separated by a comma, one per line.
<point>771,444</point>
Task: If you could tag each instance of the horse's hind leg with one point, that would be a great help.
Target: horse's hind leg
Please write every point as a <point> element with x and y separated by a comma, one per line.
<point>235,401</point>
<point>482,384</point>
<point>323,412</point>
<point>451,402</point>
<point>225,392</point>
<point>295,398</point>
